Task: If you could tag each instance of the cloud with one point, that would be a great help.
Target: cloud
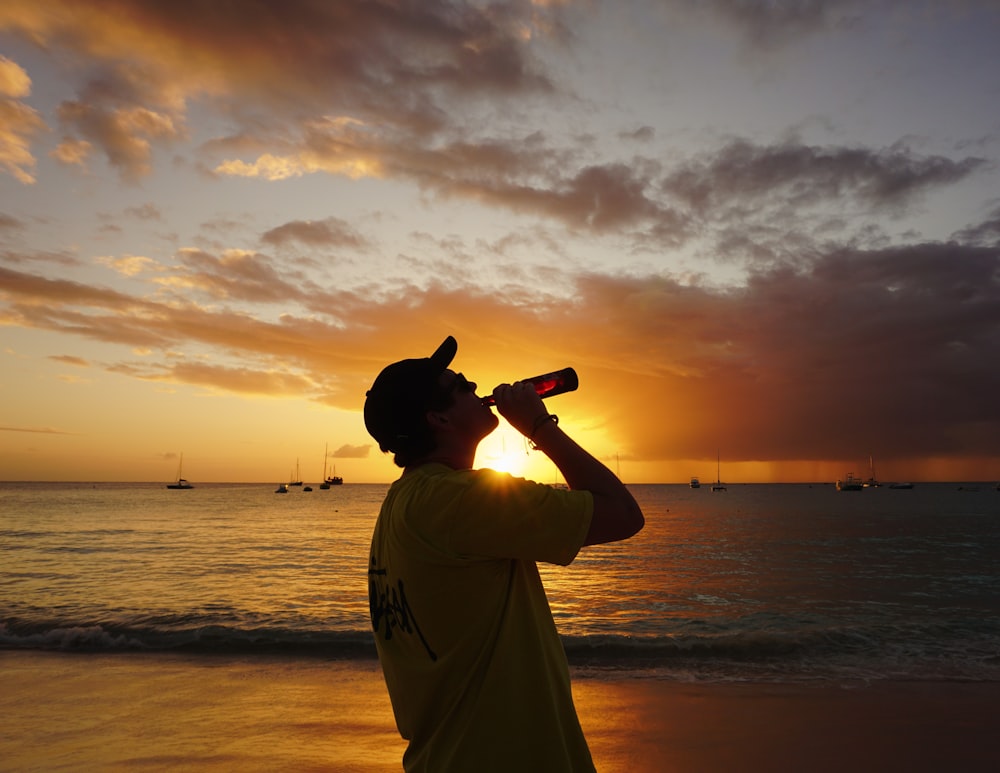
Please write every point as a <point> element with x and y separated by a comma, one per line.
<point>140,65</point>
<point>36,430</point>
<point>833,355</point>
<point>125,135</point>
<point>147,211</point>
<point>19,123</point>
<point>236,275</point>
<point>836,343</point>
<point>395,91</point>
<point>352,452</point>
<point>804,175</point>
<point>985,233</point>
<point>69,359</point>
<point>72,152</point>
<point>9,223</point>
<point>244,381</point>
<point>768,24</point>
<point>330,232</point>
<point>14,81</point>
<point>129,265</point>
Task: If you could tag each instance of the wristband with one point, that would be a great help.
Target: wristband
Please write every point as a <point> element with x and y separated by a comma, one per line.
<point>540,422</point>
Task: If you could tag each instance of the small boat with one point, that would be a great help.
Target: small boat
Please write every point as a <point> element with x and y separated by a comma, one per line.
<point>181,482</point>
<point>900,485</point>
<point>282,488</point>
<point>297,480</point>
<point>695,483</point>
<point>335,479</point>
<point>718,485</point>
<point>308,488</point>
<point>850,483</point>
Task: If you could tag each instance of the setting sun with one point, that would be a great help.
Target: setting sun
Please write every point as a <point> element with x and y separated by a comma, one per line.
<point>505,451</point>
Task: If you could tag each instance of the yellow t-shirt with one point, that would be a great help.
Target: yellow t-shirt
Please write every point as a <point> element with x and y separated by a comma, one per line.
<point>474,665</point>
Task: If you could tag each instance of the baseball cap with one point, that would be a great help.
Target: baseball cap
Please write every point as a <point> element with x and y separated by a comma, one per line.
<point>397,400</point>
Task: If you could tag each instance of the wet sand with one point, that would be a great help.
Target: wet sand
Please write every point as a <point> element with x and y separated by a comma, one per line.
<point>70,712</point>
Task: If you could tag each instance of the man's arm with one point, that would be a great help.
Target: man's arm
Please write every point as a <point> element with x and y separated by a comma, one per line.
<point>616,514</point>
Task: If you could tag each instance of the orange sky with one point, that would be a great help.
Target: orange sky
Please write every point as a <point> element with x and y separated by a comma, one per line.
<point>771,236</point>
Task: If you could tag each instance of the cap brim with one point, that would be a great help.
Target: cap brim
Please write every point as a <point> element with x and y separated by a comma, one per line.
<point>445,353</point>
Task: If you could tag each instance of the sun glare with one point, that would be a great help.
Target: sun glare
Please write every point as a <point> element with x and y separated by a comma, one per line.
<point>504,452</point>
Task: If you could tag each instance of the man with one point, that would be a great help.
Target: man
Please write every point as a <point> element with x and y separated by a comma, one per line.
<point>471,657</point>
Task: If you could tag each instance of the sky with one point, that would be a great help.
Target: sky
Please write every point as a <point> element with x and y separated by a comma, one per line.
<point>766,233</point>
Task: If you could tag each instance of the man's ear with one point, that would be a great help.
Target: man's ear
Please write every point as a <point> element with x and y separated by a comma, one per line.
<point>436,419</point>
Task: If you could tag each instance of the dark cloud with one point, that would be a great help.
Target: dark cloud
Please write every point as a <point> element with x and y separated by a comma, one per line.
<point>236,275</point>
<point>773,24</point>
<point>125,134</point>
<point>891,351</point>
<point>140,64</point>
<point>792,173</point>
<point>770,23</point>
<point>985,233</point>
<point>330,232</point>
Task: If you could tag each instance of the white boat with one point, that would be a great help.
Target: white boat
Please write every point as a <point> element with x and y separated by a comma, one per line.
<point>282,488</point>
<point>850,483</point>
<point>181,483</point>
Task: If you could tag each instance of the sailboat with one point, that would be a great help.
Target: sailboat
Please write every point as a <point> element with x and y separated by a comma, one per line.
<point>872,481</point>
<point>333,480</point>
<point>297,480</point>
<point>718,485</point>
<point>325,484</point>
<point>181,483</point>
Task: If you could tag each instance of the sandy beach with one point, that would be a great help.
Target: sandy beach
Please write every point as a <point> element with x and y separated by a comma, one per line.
<point>70,712</point>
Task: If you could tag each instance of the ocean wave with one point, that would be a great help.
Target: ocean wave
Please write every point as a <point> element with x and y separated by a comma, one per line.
<point>203,639</point>
<point>942,653</point>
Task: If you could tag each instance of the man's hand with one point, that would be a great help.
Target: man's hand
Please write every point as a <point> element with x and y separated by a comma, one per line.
<point>520,405</point>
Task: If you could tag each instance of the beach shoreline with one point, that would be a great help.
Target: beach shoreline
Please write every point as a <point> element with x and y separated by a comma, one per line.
<point>145,712</point>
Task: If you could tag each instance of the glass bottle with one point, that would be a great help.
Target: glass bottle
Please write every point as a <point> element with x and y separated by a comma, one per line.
<point>548,384</point>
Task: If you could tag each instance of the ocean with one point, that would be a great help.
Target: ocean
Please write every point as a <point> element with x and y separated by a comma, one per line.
<point>790,583</point>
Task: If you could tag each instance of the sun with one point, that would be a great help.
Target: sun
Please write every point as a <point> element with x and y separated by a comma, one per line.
<point>504,451</point>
